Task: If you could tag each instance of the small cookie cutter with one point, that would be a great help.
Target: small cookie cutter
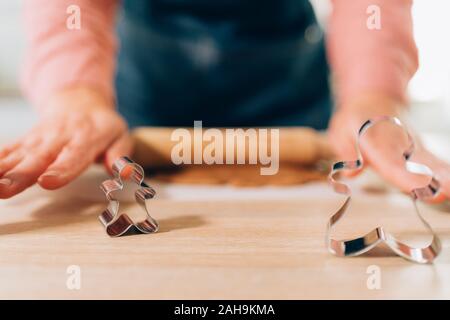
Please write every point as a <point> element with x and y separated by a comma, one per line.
<point>119,224</point>
<point>360,245</point>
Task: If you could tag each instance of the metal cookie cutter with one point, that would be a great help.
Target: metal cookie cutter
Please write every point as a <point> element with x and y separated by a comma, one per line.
<point>357,246</point>
<point>118,224</point>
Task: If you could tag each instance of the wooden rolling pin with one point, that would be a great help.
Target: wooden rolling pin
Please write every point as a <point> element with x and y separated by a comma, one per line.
<point>298,145</point>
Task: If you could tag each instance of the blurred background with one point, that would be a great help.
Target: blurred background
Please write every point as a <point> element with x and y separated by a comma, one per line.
<point>429,90</point>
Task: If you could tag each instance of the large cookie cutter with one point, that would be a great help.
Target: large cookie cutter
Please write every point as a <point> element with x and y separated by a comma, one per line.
<point>117,224</point>
<point>360,245</point>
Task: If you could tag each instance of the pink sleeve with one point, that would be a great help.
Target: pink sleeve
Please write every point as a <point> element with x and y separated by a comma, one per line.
<point>371,61</point>
<point>58,57</point>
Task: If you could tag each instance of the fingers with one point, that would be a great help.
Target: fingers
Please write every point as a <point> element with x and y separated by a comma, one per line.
<point>383,148</point>
<point>383,145</point>
<point>6,150</point>
<point>25,165</point>
<point>77,155</point>
<point>443,176</point>
<point>74,158</point>
<point>392,168</point>
<point>10,161</point>
<point>344,146</point>
<point>347,152</point>
<point>441,170</point>
<point>63,144</point>
<point>441,197</point>
<point>121,147</point>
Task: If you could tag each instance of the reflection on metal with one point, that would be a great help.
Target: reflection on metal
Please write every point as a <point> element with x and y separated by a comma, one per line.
<point>117,224</point>
<point>360,245</point>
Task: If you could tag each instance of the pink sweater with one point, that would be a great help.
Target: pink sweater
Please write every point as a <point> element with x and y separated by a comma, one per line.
<point>363,61</point>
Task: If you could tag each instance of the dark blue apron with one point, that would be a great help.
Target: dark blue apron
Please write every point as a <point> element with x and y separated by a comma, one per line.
<point>226,62</point>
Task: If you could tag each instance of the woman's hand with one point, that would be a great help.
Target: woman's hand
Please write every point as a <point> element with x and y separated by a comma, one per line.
<point>77,127</point>
<point>383,145</point>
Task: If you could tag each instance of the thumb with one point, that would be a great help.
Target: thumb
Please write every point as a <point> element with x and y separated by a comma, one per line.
<point>123,146</point>
<point>345,148</point>
<point>389,162</point>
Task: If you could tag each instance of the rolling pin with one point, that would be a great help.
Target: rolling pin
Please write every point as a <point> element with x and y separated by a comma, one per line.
<point>297,145</point>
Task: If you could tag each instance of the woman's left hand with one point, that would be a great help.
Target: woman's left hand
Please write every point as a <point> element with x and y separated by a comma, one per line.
<point>383,146</point>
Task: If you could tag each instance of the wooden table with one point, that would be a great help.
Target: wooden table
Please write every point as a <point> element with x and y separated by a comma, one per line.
<point>209,249</point>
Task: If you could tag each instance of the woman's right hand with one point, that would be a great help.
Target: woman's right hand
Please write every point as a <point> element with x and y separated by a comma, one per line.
<point>77,127</point>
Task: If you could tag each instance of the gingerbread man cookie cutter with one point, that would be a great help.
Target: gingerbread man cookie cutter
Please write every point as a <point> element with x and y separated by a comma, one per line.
<point>116,223</point>
<point>360,245</point>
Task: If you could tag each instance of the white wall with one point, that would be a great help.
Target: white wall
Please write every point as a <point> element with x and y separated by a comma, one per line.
<point>12,44</point>
<point>432,28</point>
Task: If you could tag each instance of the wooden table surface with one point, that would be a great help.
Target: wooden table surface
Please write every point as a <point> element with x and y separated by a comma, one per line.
<point>210,249</point>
